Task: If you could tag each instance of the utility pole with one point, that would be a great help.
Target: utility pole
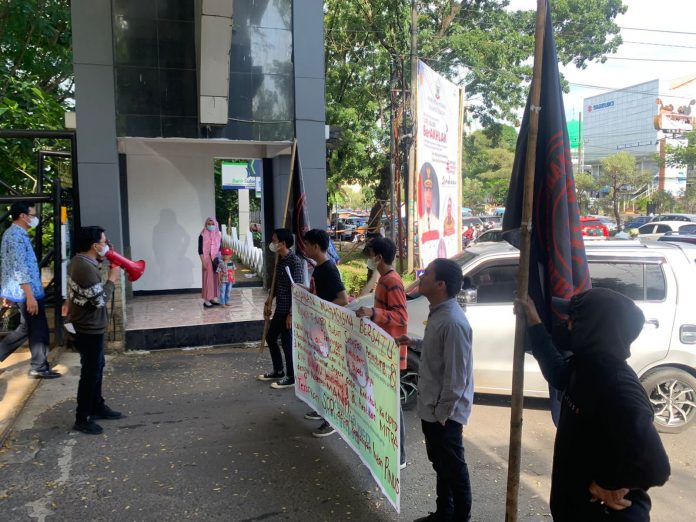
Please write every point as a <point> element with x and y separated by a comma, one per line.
<point>414,129</point>
<point>393,152</point>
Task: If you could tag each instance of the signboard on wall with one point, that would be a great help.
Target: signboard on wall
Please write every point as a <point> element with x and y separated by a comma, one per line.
<point>242,174</point>
<point>438,165</point>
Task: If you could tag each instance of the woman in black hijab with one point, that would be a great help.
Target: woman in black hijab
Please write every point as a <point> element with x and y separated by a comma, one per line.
<point>607,452</point>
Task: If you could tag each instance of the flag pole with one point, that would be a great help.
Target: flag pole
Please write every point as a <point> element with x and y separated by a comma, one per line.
<point>515,450</point>
<point>269,300</point>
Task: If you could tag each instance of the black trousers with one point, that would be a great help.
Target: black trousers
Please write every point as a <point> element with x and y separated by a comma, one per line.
<point>89,390</point>
<point>35,327</point>
<point>446,451</point>
<point>277,329</point>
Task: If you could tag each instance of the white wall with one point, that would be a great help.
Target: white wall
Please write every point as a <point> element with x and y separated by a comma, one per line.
<point>170,195</point>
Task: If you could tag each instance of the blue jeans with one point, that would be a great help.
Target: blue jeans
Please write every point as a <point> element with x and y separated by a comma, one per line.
<point>225,291</point>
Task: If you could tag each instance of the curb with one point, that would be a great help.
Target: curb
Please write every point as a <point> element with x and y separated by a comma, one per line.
<point>17,408</point>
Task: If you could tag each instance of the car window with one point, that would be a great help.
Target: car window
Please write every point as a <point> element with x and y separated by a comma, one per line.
<point>661,229</point>
<point>646,229</point>
<point>637,281</point>
<point>591,223</point>
<point>495,284</point>
<point>687,229</point>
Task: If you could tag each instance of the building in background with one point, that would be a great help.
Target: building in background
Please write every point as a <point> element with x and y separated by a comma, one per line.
<point>642,120</point>
<point>166,87</point>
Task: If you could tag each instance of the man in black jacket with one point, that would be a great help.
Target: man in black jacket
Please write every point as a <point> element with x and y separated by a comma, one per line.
<point>607,452</point>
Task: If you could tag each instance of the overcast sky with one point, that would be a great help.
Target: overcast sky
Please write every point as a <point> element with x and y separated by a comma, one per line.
<point>672,16</point>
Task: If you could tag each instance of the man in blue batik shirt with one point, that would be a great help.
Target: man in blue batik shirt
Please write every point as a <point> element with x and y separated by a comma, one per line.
<point>21,284</point>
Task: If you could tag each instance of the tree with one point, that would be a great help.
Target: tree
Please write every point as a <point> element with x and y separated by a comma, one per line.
<point>585,184</point>
<point>678,156</point>
<point>619,175</point>
<point>36,80</point>
<point>480,45</point>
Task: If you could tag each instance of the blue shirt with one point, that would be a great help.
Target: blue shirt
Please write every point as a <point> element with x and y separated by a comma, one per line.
<point>19,266</point>
<point>445,374</point>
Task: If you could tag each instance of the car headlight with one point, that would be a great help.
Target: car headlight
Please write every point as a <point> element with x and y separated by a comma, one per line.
<point>687,333</point>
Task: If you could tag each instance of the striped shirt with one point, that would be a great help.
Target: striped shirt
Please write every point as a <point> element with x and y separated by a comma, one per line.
<point>391,313</point>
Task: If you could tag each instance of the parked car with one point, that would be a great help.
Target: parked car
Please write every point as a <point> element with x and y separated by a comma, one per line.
<point>492,235</point>
<point>607,222</point>
<point>471,221</point>
<point>655,229</point>
<point>636,222</point>
<point>685,234</point>
<point>593,227</point>
<point>659,277</point>
<point>343,231</point>
<point>674,217</point>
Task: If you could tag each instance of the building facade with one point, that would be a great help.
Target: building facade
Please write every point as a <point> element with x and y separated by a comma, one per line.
<point>643,120</point>
<point>164,89</point>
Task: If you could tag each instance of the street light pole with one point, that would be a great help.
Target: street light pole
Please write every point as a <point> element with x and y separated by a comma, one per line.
<point>414,128</point>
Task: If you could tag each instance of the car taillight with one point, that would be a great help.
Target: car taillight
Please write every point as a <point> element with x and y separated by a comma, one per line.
<point>687,333</point>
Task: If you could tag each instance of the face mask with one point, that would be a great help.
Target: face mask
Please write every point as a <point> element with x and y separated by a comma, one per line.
<point>371,265</point>
<point>273,247</point>
<point>105,250</point>
<point>33,222</point>
<point>211,227</point>
<point>561,336</point>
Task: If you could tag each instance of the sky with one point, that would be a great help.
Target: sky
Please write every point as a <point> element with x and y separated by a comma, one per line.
<point>664,55</point>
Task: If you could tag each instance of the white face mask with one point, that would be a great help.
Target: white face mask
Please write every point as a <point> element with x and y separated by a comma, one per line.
<point>371,265</point>
<point>103,251</point>
<point>33,222</point>
<point>273,247</point>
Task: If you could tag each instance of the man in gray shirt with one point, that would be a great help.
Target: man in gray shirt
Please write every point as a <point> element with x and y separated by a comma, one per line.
<point>445,388</point>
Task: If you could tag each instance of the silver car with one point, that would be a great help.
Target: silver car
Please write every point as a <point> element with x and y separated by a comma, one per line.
<point>659,277</point>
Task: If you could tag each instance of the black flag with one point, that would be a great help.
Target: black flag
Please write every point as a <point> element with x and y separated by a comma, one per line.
<point>558,266</point>
<point>299,217</point>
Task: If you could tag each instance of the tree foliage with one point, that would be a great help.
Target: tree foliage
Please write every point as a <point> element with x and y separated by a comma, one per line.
<point>479,44</point>
<point>620,175</point>
<point>35,78</point>
<point>686,156</point>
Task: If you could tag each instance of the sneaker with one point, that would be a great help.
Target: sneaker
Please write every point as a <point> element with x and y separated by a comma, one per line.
<point>402,465</point>
<point>89,427</point>
<point>270,376</point>
<point>43,374</point>
<point>313,415</point>
<point>107,414</point>
<point>285,382</point>
<point>324,430</point>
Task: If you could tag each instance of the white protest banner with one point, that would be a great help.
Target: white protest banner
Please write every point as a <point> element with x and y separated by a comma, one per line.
<point>438,164</point>
<point>347,369</point>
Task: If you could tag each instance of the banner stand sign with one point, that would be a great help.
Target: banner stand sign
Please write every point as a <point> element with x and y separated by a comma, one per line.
<point>347,369</point>
<point>438,166</point>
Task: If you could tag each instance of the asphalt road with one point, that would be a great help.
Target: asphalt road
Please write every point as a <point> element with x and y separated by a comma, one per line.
<point>204,440</point>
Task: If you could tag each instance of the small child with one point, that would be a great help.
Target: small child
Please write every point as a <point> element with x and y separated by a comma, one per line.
<point>226,268</point>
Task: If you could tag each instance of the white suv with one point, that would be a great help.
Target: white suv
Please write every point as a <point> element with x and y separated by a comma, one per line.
<point>659,277</point>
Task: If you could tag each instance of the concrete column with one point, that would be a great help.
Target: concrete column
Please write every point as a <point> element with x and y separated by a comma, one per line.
<point>310,116</point>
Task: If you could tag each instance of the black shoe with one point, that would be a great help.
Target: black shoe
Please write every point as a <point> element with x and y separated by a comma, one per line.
<point>285,382</point>
<point>89,427</point>
<point>208,305</point>
<point>107,414</point>
<point>43,374</point>
<point>313,415</point>
<point>215,303</point>
<point>324,430</point>
<point>270,376</point>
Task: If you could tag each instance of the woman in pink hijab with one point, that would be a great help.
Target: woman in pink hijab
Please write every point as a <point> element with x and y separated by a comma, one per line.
<point>208,249</point>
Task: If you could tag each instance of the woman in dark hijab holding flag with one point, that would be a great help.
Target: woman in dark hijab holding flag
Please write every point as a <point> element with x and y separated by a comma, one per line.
<point>607,452</point>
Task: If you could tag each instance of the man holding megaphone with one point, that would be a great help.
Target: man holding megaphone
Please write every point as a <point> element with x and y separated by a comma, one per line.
<point>87,311</point>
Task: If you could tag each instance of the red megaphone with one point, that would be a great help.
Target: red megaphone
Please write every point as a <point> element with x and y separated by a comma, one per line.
<point>134,269</point>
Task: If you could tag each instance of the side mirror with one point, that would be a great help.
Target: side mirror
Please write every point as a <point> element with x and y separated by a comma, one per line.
<point>467,296</point>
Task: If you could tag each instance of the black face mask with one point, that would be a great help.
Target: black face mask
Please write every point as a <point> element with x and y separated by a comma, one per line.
<point>561,336</point>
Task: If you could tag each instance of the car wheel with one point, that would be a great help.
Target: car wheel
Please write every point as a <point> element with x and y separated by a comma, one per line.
<point>409,389</point>
<point>672,393</point>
